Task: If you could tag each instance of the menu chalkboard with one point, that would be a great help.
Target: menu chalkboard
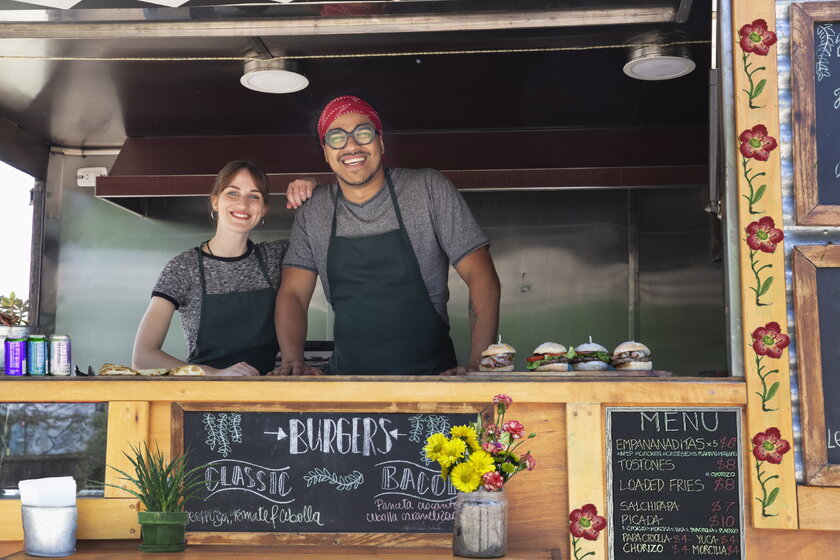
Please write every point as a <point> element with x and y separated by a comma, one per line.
<point>317,472</point>
<point>827,102</point>
<point>828,301</point>
<point>674,483</point>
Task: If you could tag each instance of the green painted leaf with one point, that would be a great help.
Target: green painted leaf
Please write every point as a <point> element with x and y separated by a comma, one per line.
<point>759,88</point>
<point>765,286</point>
<point>772,497</point>
<point>759,193</point>
<point>772,392</point>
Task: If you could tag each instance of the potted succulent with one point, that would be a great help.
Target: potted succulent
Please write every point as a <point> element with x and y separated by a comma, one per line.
<point>14,316</point>
<point>162,486</point>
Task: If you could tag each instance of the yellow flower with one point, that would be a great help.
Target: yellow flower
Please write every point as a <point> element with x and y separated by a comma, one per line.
<point>444,472</point>
<point>465,477</point>
<point>466,433</point>
<point>482,462</point>
<point>451,452</point>
<point>434,446</point>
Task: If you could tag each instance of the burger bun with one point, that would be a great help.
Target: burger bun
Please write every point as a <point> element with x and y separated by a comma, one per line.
<point>635,366</point>
<point>550,348</point>
<point>496,349</point>
<point>595,365</point>
<point>630,346</point>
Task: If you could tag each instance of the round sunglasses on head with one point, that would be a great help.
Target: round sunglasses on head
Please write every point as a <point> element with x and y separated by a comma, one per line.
<point>363,134</point>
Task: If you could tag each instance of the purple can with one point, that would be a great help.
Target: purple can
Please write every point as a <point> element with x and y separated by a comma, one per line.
<point>15,355</point>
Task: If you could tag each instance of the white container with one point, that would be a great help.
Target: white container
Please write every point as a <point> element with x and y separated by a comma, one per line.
<point>49,531</point>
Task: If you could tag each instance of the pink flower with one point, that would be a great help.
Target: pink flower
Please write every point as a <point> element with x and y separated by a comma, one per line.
<point>586,523</point>
<point>769,446</point>
<point>770,341</point>
<point>756,144</point>
<point>492,430</point>
<point>763,235</point>
<point>503,399</point>
<point>493,481</point>
<point>756,38</point>
<point>529,461</point>
<point>492,447</point>
<point>514,428</point>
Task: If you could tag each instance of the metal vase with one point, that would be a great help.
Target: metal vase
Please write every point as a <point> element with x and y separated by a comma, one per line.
<point>49,531</point>
<point>480,529</point>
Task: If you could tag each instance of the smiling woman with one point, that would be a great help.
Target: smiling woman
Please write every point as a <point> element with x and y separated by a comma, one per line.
<point>224,288</point>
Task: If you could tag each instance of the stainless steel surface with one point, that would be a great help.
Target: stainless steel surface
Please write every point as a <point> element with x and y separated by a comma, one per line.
<point>49,531</point>
<point>345,26</point>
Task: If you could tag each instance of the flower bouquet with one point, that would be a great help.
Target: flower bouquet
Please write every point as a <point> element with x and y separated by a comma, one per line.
<point>481,456</point>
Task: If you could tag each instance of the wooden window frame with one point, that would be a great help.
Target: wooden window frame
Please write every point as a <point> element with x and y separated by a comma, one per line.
<point>805,262</point>
<point>803,16</point>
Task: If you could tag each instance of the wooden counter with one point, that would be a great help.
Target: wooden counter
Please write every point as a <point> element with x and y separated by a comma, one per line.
<point>566,413</point>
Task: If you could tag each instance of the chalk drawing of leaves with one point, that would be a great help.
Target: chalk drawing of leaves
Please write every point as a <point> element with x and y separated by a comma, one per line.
<point>416,431</point>
<point>827,38</point>
<point>347,482</point>
<point>236,427</point>
<point>210,427</point>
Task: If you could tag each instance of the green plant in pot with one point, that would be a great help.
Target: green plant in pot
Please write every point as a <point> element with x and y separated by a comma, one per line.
<point>13,311</point>
<point>162,486</point>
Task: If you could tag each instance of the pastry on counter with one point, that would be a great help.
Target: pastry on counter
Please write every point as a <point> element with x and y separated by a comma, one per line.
<point>497,357</point>
<point>591,356</point>
<point>189,369</point>
<point>116,369</point>
<point>549,356</point>
<point>631,355</point>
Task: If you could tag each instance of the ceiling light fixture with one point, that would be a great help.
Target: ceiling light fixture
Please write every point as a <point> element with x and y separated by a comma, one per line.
<point>273,76</point>
<point>659,62</point>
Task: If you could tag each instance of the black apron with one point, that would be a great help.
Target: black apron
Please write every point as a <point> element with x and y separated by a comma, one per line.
<point>385,322</point>
<point>236,327</point>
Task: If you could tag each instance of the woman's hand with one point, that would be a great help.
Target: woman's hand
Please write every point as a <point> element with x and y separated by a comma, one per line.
<point>295,368</point>
<point>241,369</point>
<point>298,192</point>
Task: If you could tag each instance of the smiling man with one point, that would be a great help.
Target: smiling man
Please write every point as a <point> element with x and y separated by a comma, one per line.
<point>382,241</point>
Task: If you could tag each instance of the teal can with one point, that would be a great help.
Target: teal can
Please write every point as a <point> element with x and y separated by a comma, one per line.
<point>36,355</point>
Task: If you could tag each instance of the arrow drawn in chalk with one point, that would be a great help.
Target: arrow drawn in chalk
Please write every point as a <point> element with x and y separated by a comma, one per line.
<point>279,433</point>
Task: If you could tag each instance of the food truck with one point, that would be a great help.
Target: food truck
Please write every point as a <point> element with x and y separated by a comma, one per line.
<point>659,171</point>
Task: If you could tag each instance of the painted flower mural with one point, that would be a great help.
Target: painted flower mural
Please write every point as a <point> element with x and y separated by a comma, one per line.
<point>755,39</point>
<point>585,523</point>
<point>768,341</point>
<point>768,447</point>
<point>755,145</point>
<point>762,237</point>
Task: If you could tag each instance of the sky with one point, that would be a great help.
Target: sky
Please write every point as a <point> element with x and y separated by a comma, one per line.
<point>15,231</point>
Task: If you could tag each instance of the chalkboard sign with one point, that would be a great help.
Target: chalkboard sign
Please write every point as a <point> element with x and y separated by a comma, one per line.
<point>828,298</point>
<point>815,113</point>
<point>317,472</point>
<point>674,479</point>
<point>827,102</point>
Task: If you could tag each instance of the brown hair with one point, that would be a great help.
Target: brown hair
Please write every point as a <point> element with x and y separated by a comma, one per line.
<point>229,171</point>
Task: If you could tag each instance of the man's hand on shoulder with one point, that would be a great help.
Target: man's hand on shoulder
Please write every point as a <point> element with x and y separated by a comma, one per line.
<point>298,192</point>
<point>295,368</point>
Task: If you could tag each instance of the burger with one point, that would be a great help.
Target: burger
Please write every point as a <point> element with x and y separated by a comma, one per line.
<point>591,356</point>
<point>549,356</point>
<point>497,357</point>
<point>631,355</point>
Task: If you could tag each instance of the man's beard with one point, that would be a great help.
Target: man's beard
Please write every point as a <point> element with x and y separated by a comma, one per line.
<point>362,182</point>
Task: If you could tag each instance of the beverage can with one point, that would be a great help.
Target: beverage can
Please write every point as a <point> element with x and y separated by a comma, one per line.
<point>14,352</point>
<point>60,363</point>
<point>36,354</point>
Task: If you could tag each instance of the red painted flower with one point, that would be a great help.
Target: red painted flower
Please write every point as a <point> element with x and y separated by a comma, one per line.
<point>586,523</point>
<point>493,481</point>
<point>514,428</point>
<point>763,235</point>
<point>503,399</point>
<point>529,461</point>
<point>769,340</point>
<point>756,144</point>
<point>756,38</point>
<point>769,446</point>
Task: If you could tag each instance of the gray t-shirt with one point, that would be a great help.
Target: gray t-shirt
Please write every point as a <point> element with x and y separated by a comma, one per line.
<point>440,226</point>
<point>180,282</point>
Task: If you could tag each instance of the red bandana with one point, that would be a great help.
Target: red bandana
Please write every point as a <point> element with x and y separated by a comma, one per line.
<point>341,106</point>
